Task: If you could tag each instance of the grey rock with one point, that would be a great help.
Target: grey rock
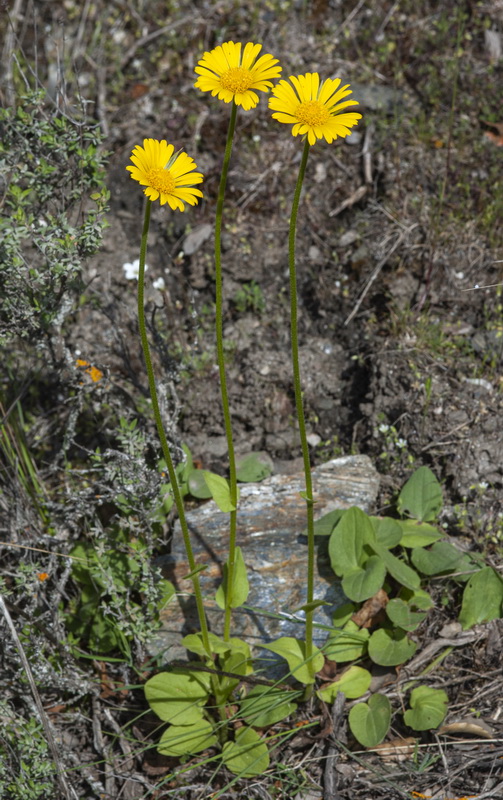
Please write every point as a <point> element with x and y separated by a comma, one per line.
<point>271,522</point>
<point>196,238</point>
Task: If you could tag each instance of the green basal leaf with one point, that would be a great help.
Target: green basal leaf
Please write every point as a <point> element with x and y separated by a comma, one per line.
<point>240,585</point>
<point>248,755</point>
<point>346,543</point>
<point>369,722</point>
<point>252,467</point>
<point>326,524</point>
<point>266,705</point>
<point>363,582</point>
<point>347,644</point>
<point>482,598</point>
<point>197,486</point>
<point>403,615</point>
<point>343,614</point>
<point>183,740</point>
<point>428,708</point>
<point>400,571</point>
<point>421,497</point>
<point>390,647</point>
<point>387,531</point>
<point>294,653</point>
<point>442,557</point>
<point>220,491</point>
<point>417,534</point>
<point>354,682</point>
<point>178,696</point>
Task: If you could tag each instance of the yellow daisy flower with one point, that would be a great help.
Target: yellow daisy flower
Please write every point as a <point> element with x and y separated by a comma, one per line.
<point>231,76</point>
<point>167,175</point>
<point>313,109</point>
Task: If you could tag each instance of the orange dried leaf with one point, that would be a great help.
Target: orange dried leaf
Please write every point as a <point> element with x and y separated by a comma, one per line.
<point>368,613</point>
<point>495,138</point>
<point>397,750</point>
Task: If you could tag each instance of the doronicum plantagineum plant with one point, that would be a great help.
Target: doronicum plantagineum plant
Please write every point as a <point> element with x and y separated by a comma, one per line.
<point>313,108</point>
<point>182,695</point>
<point>233,74</point>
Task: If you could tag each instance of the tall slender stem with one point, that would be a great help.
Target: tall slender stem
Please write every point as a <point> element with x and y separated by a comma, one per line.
<point>160,430</point>
<point>299,405</point>
<point>223,378</point>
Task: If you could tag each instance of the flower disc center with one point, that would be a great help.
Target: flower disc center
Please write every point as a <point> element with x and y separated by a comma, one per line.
<point>237,80</point>
<point>161,180</point>
<point>313,113</point>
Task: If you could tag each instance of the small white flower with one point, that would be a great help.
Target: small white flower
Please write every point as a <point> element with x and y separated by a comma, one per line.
<point>383,428</point>
<point>401,443</point>
<point>159,284</point>
<point>131,271</point>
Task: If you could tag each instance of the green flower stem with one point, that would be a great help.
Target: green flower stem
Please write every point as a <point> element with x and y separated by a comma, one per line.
<point>221,368</point>
<point>308,494</point>
<point>160,430</point>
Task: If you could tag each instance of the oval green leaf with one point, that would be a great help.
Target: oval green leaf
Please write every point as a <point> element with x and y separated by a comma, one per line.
<point>248,755</point>
<point>417,534</point>
<point>400,571</point>
<point>177,696</point>
<point>353,683</point>
<point>403,615</point>
<point>390,647</point>
<point>326,524</point>
<point>442,557</point>
<point>363,582</point>
<point>369,722</point>
<point>388,531</point>
<point>428,708</point>
<point>266,705</point>
<point>421,497</point>
<point>253,467</point>
<point>220,491</point>
<point>182,740</point>
<point>345,546</point>
<point>482,598</point>
<point>197,485</point>
<point>347,644</point>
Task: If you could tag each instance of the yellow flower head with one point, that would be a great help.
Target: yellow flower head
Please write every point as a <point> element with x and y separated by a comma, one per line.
<point>231,76</point>
<point>166,175</point>
<point>313,109</point>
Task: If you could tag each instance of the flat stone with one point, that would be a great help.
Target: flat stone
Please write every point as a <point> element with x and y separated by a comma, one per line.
<point>271,525</point>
